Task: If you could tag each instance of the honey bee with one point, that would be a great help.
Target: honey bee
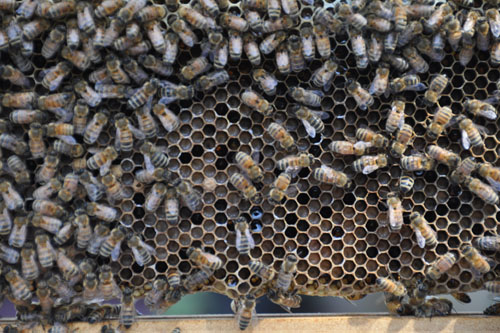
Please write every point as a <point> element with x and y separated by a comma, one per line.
<point>444,156</point>
<point>101,232</point>
<point>483,35</point>
<point>27,9</point>
<point>108,8</point>
<point>395,212</point>
<point>8,254</point>
<point>154,297</point>
<point>471,133</point>
<point>323,76</point>
<point>491,174</point>
<point>407,82</point>
<point>139,48</point>
<point>195,67</point>
<point>424,233</point>
<point>264,272</point>
<point>390,42</point>
<point>254,20</point>
<point>155,35</point>
<point>356,20</point>
<point>147,124</point>
<point>171,48</point>
<point>172,206</point>
<point>283,23</point>
<point>155,197</point>
<point>19,169</point>
<point>367,135</point>
<point>90,288</point>
<point>359,49</point>
<point>487,243</point>
<point>35,28</point>
<point>277,191</point>
<point>23,100</point>
<point>172,92</point>
<point>492,286</point>
<point>78,58</point>
<point>127,312</point>
<point>153,157</point>
<point>273,9</point>
<point>125,133</point>
<point>441,265</point>
<point>113,187</point>
<point>11,197</point>
<point>102,211</point>
<point>236,46</point>
<point>403,138</point>
<point>111,245</point>
<point>89,95</point>
<point>436,88</point>
<point>434,307</point>
<point>391,286</point>
<point>184,32</point>
<point>48,208</point>
<point>286,273</point>
<point>244,239</point>
<point>190,196</point>
<point>18,286</point>
<point>483,191</point>
<point>5,220</point>
<point>107,285</point>
<point>45,251</point>
<point>492,310</point>
<point>15,76</point>
<point>211,80</point>
<point>53,77</point>
<point>249,191</point>
<point>477,261</point>
<point>48,223</point>
<point>102,160</point>
<point>19,230</point>
<point>308,97</point>
<point>330,176</point>
<point>247,164</point>
<point>142,251</point>
<point>245,311</point>
<point>44,296</point>
<point>95,127</point>
<point>12,143</point>
<point>251,49</point>
<point>295,162</point>
<point>204,259</point>
<point>437,17</point>
<point>380,81</point>
<point>283,59</point>
<point>54,41</point>
<point>441,120</point>
<point>113,66</point>
<point>83,230</point>
<point>310,119</point>
<point>266,81</point>
<point>255,101</point>
<point>322,41</point>
<point>480,108</point>
<point>360,95</point>
<point>47,190</point>
<point>271,42</point>
<point>369,164</point>
<point>67,267</point>
<point>415,60</point>
<point>196,18</point>
<point>92,187</point>
<point>286,301</point>
<point>349,147</point>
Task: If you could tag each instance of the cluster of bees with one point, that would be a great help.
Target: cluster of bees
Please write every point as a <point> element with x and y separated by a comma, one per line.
<point>128,51</point>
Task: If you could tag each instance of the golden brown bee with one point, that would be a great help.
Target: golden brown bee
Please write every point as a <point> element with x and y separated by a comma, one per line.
<point>19,231</point>
<point>255,22</point>
<point>391,286</point>
<point>14,75</point>
<point>491,174</point>
<point>480,108</point>
<point>492,287</point>
<point>45,251</point>
<point>101,211</point>
<point>167,118</point>
<point>483,191</point>
<point>18,286</point>
<point>155,65</point>
<point>264,272</point>
<point>95,127</point>
<point>142,252</point>
<point>48,169</point>
<point>36,144</point>
<point>279,187</point>
<point>184,32</point>
<point>107,284</point>
<point>358,44</point>
<point>251,49</point>
<point>23,100</point>
<point>330,176</point>
<point>367,135</point>
<point>249,191</point>
<point>155,197</point>
<point>233,22</point>
<point>471,133</point>
<point>150,13</point>
<point>78,58</point>
<point>127,315</point>
<point>211,80</point>
<point>360,95</point>
<point>464,169</point>
<point>5,220</point>
<point>172,206</point>
<point>380,82</point>
<point>271,42</point>
<point>153,298</point>
<point>295,162</point>
<point>477,261</point>
<point>310,119</point>
<point>395,212</point>
<point>444,156</point>
<point>283,23</point>
<point>125,133</point>
<point>424,233</point>
<point>323,76</point>
<point>286,301</point>
<point>190,196</point>
<point>286,273</point>
<point>27,116</point>
<point>356,20</point>
<point>244,310</point>
<point>108,8</point>
<point>350,147</point>
<point>102,160</point>
<point>54,76</point>
<point>204,259</point>
<point>195,67</point>
<point>35,28</point>
<point>11,197</point>
<point>437,17</point>
<point>403,139</point>
<point>48,208</point>
<point>395,120</point>
<point>322,41</point>
<point>255,101</point>
<point>247,164</point>
<point>281,135</point>
<point>415,60</point>
<point>47,190</point>
<point>369,164</point>
<point>113,66</point>
<point>155,35</point>
<point>441,265</point>
<point>50,224</point>
<point>440,120</point>
<point>436,88</point>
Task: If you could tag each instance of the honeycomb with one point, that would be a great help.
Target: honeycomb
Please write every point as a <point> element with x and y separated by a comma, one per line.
<point>341,237</point>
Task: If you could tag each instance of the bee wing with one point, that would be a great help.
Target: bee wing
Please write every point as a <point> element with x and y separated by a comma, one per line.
<point>372,87</point>
<point>137,256</point>
<point>64,114</point>
<point>420,238</point>
<point>489,114</point>
<point>250,238</point>
<point>116,251</point>
<point>494,184</point>
<point>148,248</point>
<point>104,168</point>
<point>136,132</point>
<point>117,140</point>
<point>321,114</point>
<point>465,140</point>
<point>293,171</point>
<point>362,144</point>
<point>401,121</point>
<point>238,239</point>
<point>94,150</point>
<point>68,139</point>
<point>369,169</point>
<point>309,129</point>
<point>417,87</point>
<point>149,165</point>
<point>318,92</point>
<point>481,129</point>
